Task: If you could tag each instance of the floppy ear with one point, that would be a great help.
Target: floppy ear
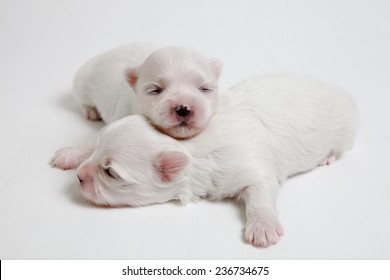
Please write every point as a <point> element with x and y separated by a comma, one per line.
<point>132,76</point>
<point>169,165</point>
<point>217,66</point>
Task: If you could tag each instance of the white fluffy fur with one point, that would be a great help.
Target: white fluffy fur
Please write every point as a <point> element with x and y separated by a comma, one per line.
<point>100,86</point>
<point>267,128</point>
<point>175,88</point>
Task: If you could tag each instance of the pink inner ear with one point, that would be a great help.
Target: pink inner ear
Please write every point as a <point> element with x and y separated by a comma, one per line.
<point>217,64</point>
<point>170,164</point>
<point>132,76</point>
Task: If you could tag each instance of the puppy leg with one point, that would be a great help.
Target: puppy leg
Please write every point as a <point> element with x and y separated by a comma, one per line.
<point>70,157</point>
<point>90,113</point>
<point>262,227</point>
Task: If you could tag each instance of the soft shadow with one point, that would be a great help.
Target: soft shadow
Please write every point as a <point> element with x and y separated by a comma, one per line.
<point>242,215</point>
<point>73,192</point>
<point>239,205</point>
<point>66,101</point>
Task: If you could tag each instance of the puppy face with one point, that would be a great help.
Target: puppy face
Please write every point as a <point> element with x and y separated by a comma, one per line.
<point>132,165</point>
<point>177,89</point>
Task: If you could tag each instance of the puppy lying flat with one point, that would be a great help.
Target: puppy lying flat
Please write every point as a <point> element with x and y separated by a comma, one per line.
<point>267,128</point>
<point>175,88</point>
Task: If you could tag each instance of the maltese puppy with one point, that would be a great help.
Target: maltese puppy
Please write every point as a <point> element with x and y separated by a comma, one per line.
<point>175,88</point>
<point>267,128</point>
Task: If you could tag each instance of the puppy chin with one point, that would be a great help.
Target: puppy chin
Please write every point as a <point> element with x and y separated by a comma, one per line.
<point>168,122</point>
<point>179,128</point>
<point>183,130</point>
<point>89,193</point>
<point>100,193</point>
<point>95,192</point>
<point>102,200</point>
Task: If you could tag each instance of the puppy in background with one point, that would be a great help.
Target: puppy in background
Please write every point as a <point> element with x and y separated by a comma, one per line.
<point>267,129</point>
<point>175,88</point>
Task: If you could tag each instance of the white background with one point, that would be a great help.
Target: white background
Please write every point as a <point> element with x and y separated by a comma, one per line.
<point>336,212</point>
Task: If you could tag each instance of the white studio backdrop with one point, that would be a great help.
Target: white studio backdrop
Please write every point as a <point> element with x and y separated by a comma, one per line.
<point>336,212</point>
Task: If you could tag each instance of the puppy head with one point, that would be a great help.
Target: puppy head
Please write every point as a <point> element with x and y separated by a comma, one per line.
<point>177,89</point>
<point>133,164</point>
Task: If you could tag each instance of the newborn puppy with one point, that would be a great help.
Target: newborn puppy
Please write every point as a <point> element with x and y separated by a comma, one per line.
<point>100,86</point>
<point>175,88</point>
<point>267,128</point>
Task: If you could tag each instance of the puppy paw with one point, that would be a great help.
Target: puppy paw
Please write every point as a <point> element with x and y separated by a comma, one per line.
<point>91,113</point>
<point>66,158</point>
<point>263,232</point>
<point>328,160</point>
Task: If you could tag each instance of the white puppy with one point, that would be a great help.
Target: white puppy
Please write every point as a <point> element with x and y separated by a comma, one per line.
<point>100,85</point>
<point>267,128</point>
<point>175,88</point>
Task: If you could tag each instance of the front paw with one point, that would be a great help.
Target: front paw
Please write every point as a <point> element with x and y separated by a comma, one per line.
<point>263,232</point>
<point>66,158</point>
<point>91,113</point>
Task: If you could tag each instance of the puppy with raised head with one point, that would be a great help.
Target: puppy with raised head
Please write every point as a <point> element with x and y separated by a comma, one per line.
<point>267,129</point>
<point>175,88</point>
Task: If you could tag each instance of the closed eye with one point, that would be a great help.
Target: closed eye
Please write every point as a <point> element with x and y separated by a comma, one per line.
<point>206,89</point>
<point>155,90</point>
<point>111,173</point>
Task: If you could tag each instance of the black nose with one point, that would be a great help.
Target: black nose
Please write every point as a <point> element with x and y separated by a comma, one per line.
<point>182,111</point>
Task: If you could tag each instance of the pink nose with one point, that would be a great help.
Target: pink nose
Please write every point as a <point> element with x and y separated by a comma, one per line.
<point>80,179</point>
<point>84,175</point>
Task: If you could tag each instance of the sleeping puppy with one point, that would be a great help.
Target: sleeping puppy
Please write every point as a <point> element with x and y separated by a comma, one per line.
<point>267,129</point>
<point>175,88</point>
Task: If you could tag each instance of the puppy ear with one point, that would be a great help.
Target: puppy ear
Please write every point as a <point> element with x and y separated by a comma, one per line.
<point>132,76</point>
<point>169,165</point>
<point>217,66</point>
